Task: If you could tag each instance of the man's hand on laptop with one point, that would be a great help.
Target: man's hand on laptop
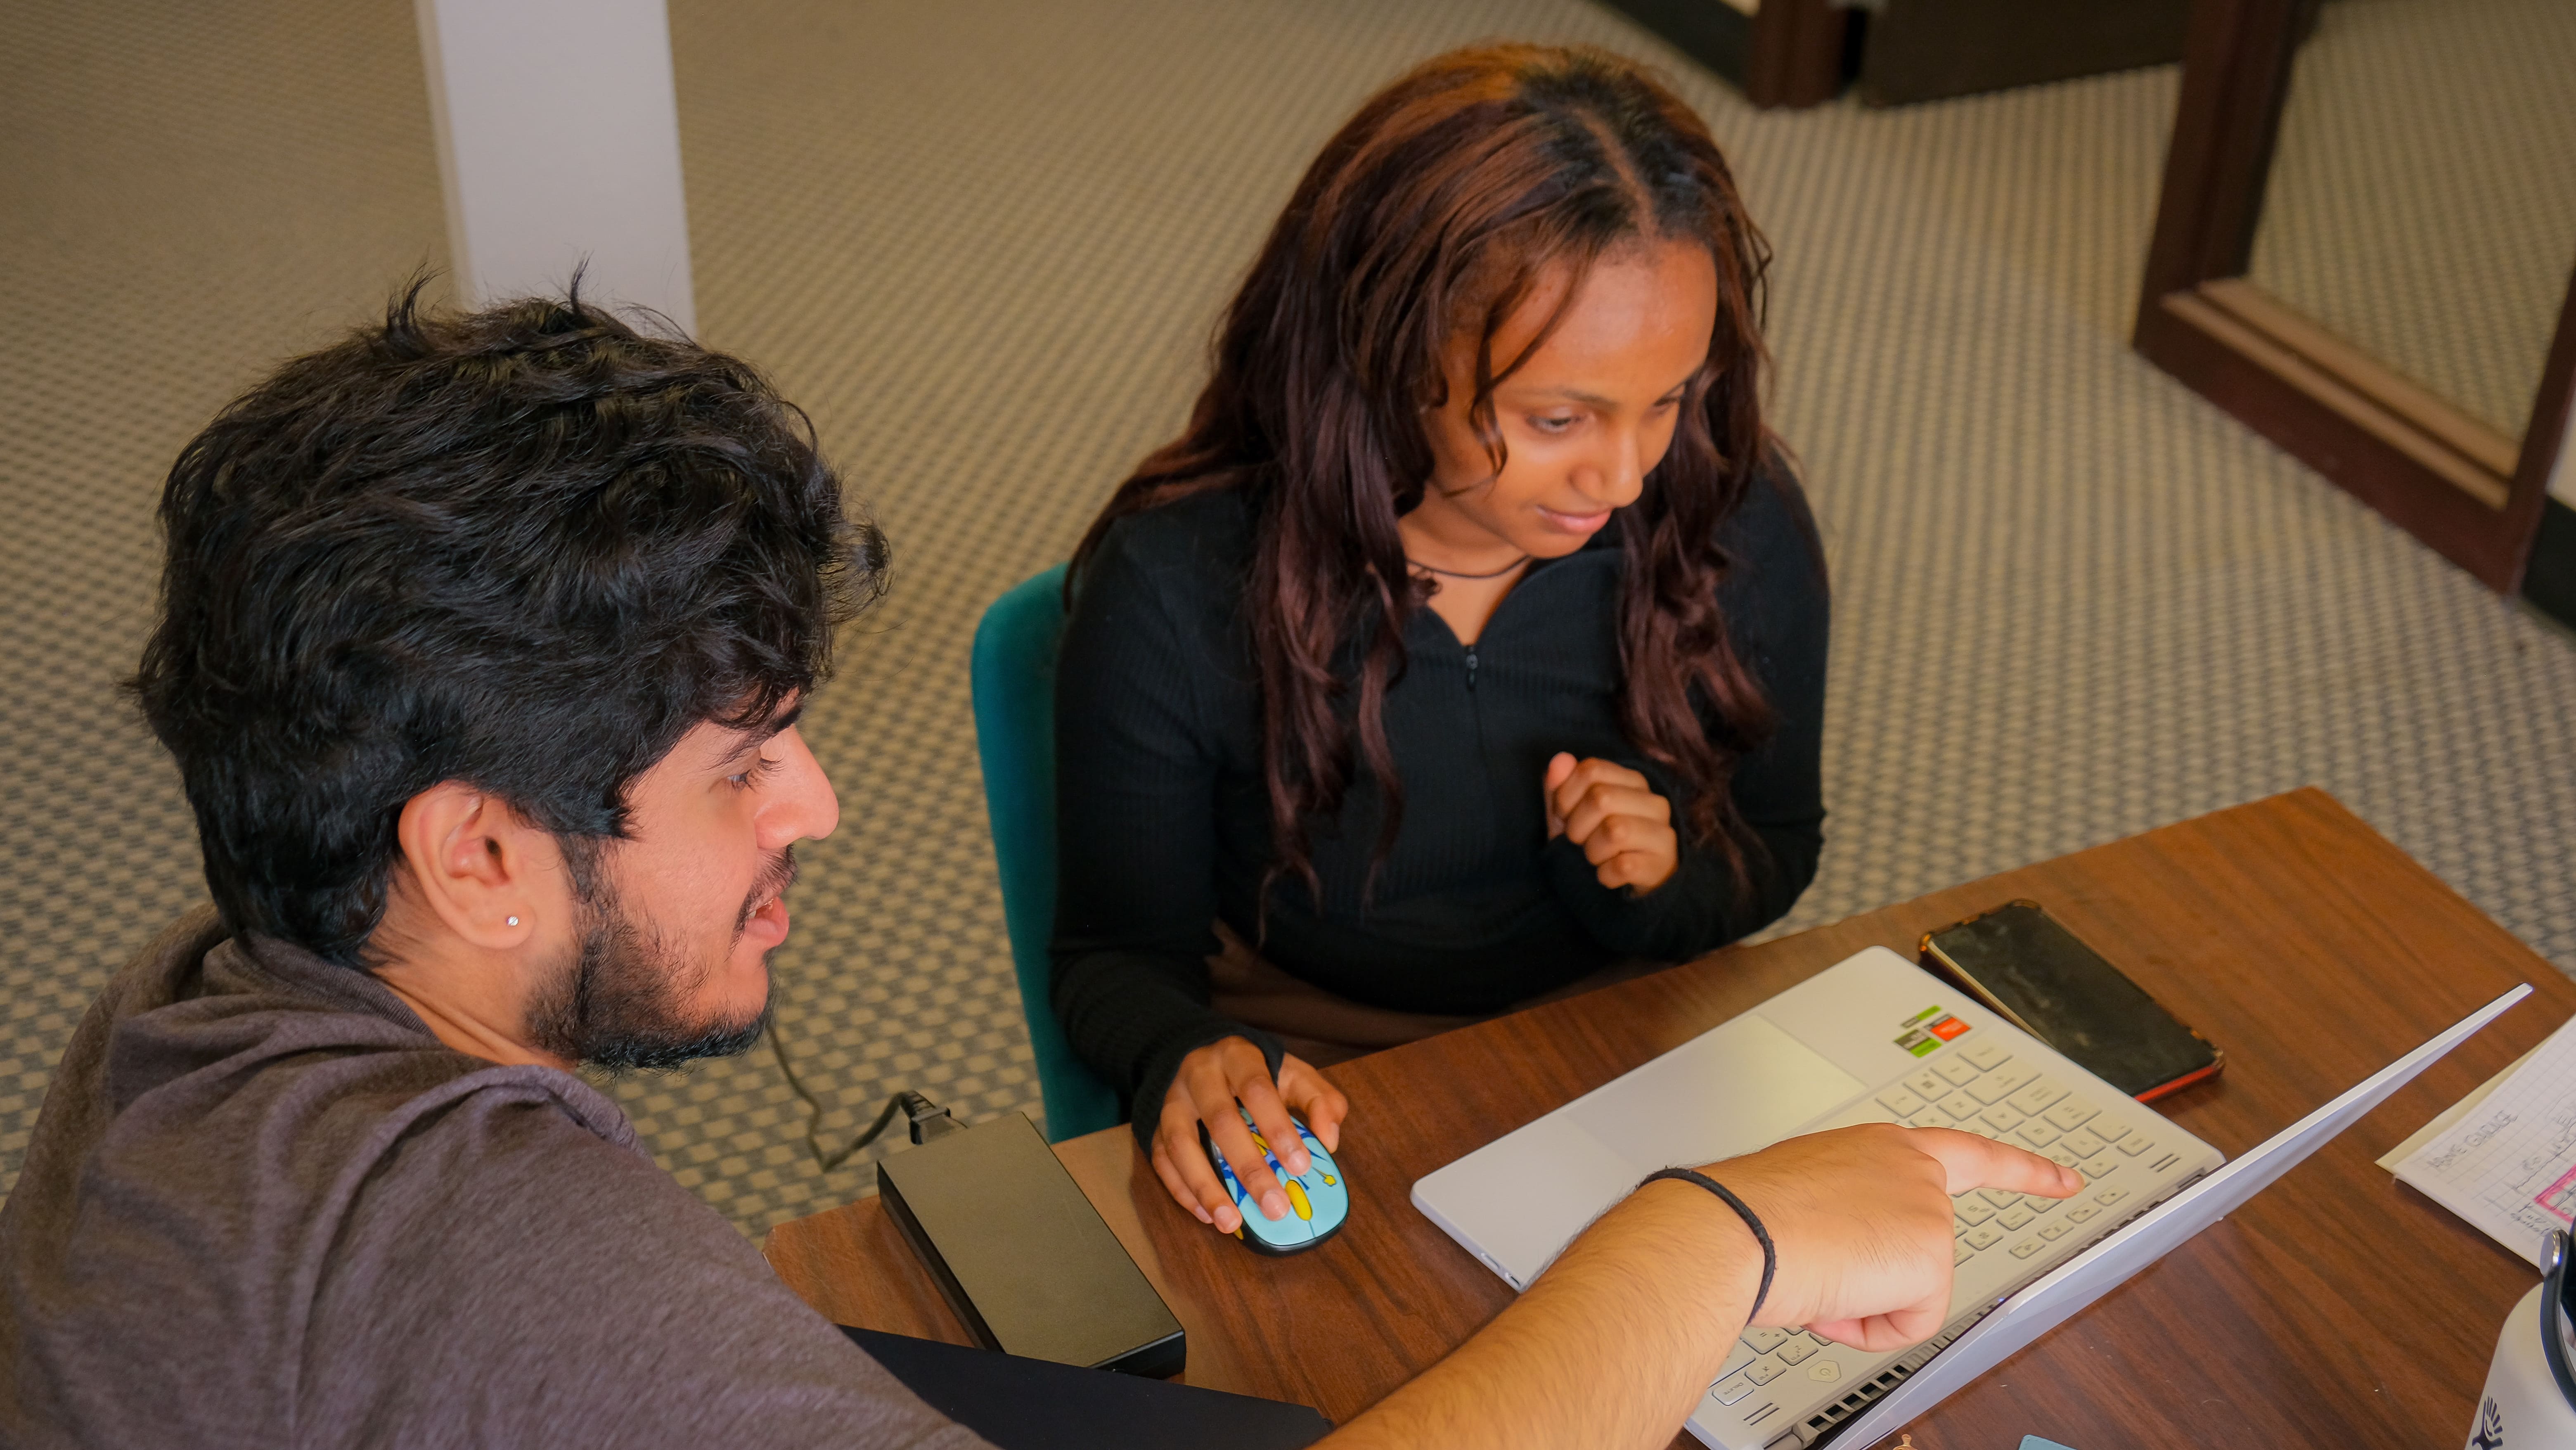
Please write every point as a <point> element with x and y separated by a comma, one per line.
<point>1616,1342</point>
<point>1861,1221</point>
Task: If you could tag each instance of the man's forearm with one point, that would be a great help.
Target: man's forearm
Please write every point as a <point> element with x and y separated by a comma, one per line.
<point>1611,1347</point>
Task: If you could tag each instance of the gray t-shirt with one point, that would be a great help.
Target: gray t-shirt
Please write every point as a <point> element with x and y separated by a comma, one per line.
<point>264,1206</point>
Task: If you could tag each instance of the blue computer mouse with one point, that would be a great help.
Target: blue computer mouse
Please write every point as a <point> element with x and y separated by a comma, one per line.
<point>1318,1199</point>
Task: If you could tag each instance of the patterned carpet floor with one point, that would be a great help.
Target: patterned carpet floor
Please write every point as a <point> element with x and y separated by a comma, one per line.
<point>2430,221</point>
<point>983,243</point>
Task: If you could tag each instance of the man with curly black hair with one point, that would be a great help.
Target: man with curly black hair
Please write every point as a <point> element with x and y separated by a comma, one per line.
<point>483,639</point>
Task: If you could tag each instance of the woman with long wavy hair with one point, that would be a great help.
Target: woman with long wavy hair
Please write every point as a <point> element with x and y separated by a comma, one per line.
<point>1467,648</point>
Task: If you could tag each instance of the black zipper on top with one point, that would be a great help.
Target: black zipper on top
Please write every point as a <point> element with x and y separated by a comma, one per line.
<point>1471,669</point>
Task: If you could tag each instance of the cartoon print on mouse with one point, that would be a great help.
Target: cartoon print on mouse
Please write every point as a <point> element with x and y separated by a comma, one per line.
<point>1318,1199</point>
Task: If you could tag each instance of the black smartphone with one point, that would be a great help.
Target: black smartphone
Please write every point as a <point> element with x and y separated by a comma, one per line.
<point>2025,964</point>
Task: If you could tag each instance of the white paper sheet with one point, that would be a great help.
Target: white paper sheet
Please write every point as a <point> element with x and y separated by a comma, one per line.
<point>2504,1157</point>
<point>2452,1114</point>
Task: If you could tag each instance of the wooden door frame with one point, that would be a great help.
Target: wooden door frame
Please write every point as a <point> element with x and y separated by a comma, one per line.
<point>2472,495</point>
<point>1797,58</point>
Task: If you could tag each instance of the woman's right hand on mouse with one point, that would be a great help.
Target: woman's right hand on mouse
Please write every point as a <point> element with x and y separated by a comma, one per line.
<point>1210,1082</point>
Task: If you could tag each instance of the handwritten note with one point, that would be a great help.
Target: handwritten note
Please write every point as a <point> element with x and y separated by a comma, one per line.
<point>2504,1158</point>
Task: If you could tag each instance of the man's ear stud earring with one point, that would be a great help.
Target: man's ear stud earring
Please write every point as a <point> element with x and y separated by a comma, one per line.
<point>514,921</point>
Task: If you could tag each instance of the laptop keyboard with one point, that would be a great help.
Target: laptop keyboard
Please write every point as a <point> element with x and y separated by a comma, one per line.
<point>1980,1088</point>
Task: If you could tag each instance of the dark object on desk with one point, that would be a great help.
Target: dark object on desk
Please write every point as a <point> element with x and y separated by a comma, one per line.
<point>1022,1256</point>
<point>2018,960</point>
<point>1031,1404</point>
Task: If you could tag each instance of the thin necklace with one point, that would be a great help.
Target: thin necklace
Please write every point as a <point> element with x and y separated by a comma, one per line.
<point>1454,574</point>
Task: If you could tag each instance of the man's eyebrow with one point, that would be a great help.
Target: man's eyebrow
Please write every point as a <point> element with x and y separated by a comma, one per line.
<point>752,739</point>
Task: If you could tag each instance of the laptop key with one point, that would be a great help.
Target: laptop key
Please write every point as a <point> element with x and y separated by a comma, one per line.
<point>1796,1350</point>
<point>1929,1084</point>
<point>1732,1388</point>
<point>2085,1214</point>
<point>2093,1168</point>
<point>1900,1102</point>
<point>2015,1219</point>
<point>2109,1130</point>
<point>2082,1143</point>
<point>2071,1113</point>
<point>2037,1133</point>
<point>2004,1116</point>
<point>2135,1144</point>
<point>2109,1196</point>
<point>2037,1204</point>
<point>1986,1056</point>
<point>1763,1371</point>
<point>2037,1097</point>
<point>1960,1254</point>
<point>1999,1197</point>
<point>1959,1105</point>
<point>1959,1073</point>
<point>2058,1154</point>
<point>1975,1212</point>
<point>2056,1231</point>
<point>2001,1084</point>
<point>2025,1248</point>
<point>1984,1236</point>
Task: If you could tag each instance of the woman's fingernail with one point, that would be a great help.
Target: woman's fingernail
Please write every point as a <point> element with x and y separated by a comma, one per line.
<point>1299,1164</point>
<point>1275,1204</point>
<point>1204,1216</point>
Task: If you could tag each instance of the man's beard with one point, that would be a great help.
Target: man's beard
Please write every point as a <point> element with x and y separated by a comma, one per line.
<point>623,1002</point>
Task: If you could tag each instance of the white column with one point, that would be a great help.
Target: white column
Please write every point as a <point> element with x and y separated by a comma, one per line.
<point>559,145</point>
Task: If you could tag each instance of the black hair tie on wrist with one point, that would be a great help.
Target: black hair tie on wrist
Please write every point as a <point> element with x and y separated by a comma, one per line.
<point>1761,1235</point>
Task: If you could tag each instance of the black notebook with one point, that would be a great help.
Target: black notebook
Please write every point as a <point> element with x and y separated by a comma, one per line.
<point>1037,1404</point>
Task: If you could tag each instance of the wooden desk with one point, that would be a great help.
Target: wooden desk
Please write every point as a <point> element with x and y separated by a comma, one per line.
<point>2335,1310</point>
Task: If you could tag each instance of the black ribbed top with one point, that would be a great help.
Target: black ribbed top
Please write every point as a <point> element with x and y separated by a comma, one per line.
<point>1164,827</point>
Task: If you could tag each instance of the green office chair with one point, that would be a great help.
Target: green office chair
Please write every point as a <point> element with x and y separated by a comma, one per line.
<point>1013,671</point>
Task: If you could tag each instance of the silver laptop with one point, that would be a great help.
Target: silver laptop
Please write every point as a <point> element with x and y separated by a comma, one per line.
<point>1876,1039</point>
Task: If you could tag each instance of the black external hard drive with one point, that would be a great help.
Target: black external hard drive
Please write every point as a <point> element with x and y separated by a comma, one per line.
<point>1022,1256</point>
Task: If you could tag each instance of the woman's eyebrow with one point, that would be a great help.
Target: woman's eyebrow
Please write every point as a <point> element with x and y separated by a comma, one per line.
<point>1595,400</point>
<point>1576,395</point>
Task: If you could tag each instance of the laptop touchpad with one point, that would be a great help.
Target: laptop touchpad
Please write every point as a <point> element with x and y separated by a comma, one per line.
<point>1740,1086</point>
